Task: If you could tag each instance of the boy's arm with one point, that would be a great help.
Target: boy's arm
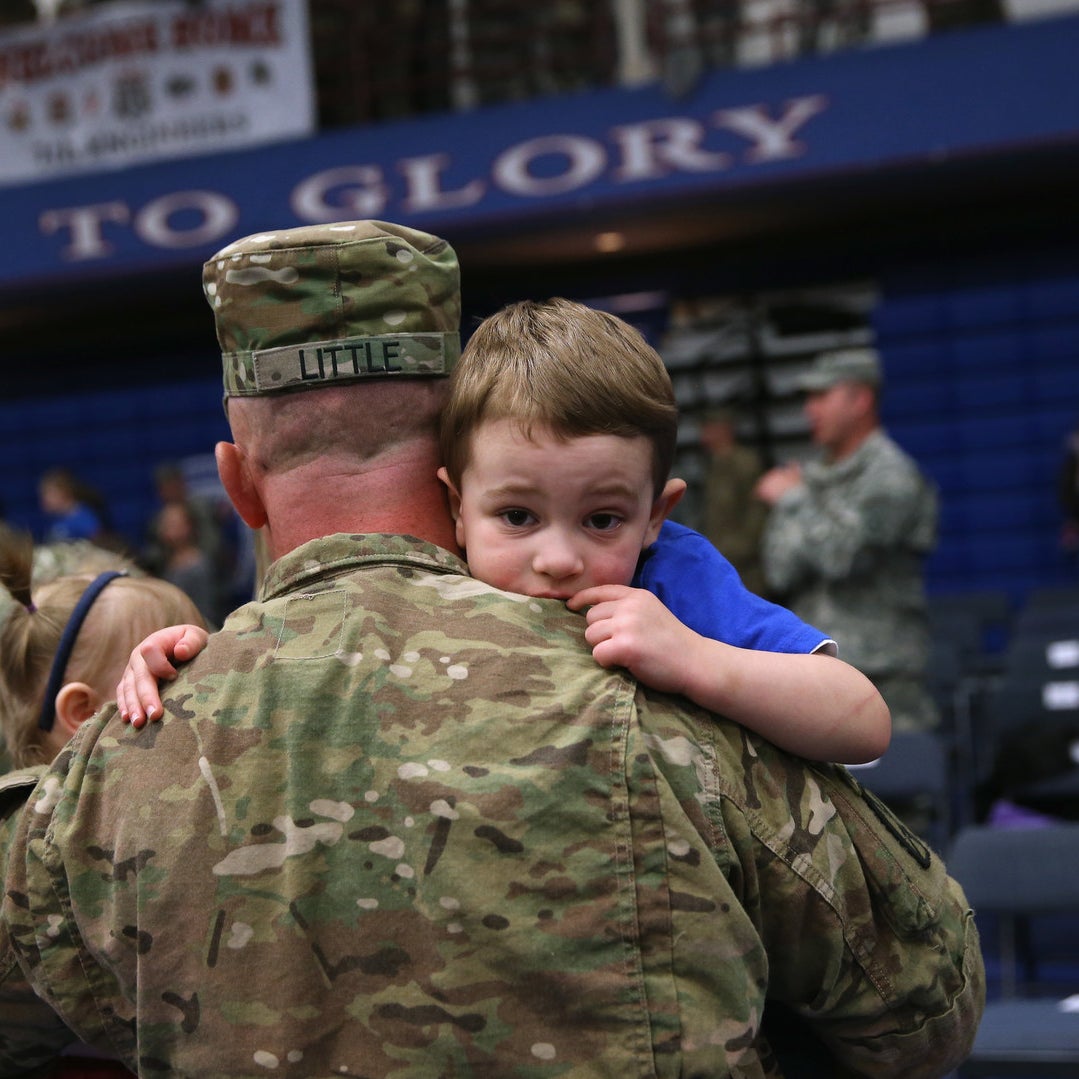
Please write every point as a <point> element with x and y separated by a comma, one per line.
<point>137,695</point>
<point>816,706</point>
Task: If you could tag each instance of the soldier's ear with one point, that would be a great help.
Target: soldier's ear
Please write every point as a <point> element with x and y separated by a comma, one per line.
<point>236,478</point>
<point>864,396</point>
<point>455,506</point>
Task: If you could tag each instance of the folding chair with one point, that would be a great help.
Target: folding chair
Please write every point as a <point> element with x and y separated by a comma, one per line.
<point>1045,609</point>
<point>1027,744</point>
<point>1044,653</point>
<point>1019,876</point>
<point>913,778</point>
<point>1052,597</point>
<point>977,623</point>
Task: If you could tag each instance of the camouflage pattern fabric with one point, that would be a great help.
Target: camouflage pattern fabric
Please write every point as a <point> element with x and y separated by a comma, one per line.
<point>396,823</point>
<point>845,551</point>
<point>31,1033</point>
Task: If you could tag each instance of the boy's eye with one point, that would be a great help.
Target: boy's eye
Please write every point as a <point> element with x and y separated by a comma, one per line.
<point>516,518</point>
<point>604,522</point>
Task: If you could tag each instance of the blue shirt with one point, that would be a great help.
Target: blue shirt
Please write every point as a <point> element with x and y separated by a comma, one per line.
<point>703,590</point>
<point>79,523</point>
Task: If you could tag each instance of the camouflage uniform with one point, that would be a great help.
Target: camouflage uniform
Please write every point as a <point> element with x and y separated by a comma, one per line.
<point>398,823</point>
<point>845,550</point>
<point>31,1033</point>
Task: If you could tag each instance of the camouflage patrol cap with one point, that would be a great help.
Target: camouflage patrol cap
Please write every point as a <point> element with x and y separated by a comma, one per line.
<point>316,306</point>
<point>842,365</point>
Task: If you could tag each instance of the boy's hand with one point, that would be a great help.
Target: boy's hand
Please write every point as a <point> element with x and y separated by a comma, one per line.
<point>631,628</point>
<point>136,693</point>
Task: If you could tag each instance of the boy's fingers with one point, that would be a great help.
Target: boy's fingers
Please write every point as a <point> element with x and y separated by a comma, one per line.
<point>599,593</point>
<point>137,693</point>
<point>121,701</point>
<point>127,699</point>
<point>156,661</point>
<point>191,643</point>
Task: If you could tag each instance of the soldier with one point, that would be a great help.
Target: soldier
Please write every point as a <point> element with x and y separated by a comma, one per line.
<point>734,517</point>
<point>396,822</point>
<point>847,535</point>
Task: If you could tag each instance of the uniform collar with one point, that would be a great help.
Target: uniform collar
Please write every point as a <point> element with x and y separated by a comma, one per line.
<point>328,556</point>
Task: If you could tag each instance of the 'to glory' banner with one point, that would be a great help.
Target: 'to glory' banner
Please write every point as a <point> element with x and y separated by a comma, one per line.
<point>132,82</point>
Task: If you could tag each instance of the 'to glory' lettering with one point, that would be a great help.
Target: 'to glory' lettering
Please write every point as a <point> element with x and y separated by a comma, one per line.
<point>634,153</point>
<point>644,151</point>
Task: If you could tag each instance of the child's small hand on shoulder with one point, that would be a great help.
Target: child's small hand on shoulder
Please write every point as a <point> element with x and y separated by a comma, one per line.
<point>137,693</point>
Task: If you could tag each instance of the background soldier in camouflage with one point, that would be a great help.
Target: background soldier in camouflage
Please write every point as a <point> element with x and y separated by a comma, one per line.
<point>396,823</point>
<point>847,537</point>
<point>734,517</point>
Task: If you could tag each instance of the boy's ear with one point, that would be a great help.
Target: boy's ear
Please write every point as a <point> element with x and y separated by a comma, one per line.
<point>668,498</point>
<point>75,704</point>
<point>455,506</point>
<point>238,484</point>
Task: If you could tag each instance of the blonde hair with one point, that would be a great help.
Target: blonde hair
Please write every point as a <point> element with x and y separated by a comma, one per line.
<point>125,612</point>
<point>566,367</point>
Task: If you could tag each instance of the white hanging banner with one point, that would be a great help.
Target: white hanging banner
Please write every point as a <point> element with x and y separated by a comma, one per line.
<point>123,83</point>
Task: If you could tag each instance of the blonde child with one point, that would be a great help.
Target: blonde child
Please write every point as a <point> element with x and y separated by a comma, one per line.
<point>64,644</point>
<point>557,441</point>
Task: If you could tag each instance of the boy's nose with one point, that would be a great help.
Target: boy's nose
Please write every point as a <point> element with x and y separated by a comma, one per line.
<point>557,557</point>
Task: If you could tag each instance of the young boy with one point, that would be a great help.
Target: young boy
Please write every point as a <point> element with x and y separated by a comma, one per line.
<point>557,442</point>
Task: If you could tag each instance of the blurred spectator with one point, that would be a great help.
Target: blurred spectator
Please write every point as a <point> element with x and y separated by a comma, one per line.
<point>185,563</point>
<point>172,488</point>
<point>734,517</point>
<point>77,511</point>
<point>847,537</point>
<point>1068,490</point>
<point>64,500</point>
<point>194,522</point>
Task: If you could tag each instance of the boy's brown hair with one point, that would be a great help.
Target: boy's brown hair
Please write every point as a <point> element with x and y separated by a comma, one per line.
<point>566,367</point>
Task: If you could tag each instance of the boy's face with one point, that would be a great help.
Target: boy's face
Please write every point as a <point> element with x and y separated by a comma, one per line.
<point>548,517</point>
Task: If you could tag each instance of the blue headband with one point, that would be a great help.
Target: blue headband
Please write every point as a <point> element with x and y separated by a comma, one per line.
<point>67,643</point>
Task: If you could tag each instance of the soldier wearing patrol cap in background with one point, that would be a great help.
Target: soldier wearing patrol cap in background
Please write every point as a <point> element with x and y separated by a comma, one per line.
<point>848,535</point>
<point>396,822</point>
<point>733,517</point>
